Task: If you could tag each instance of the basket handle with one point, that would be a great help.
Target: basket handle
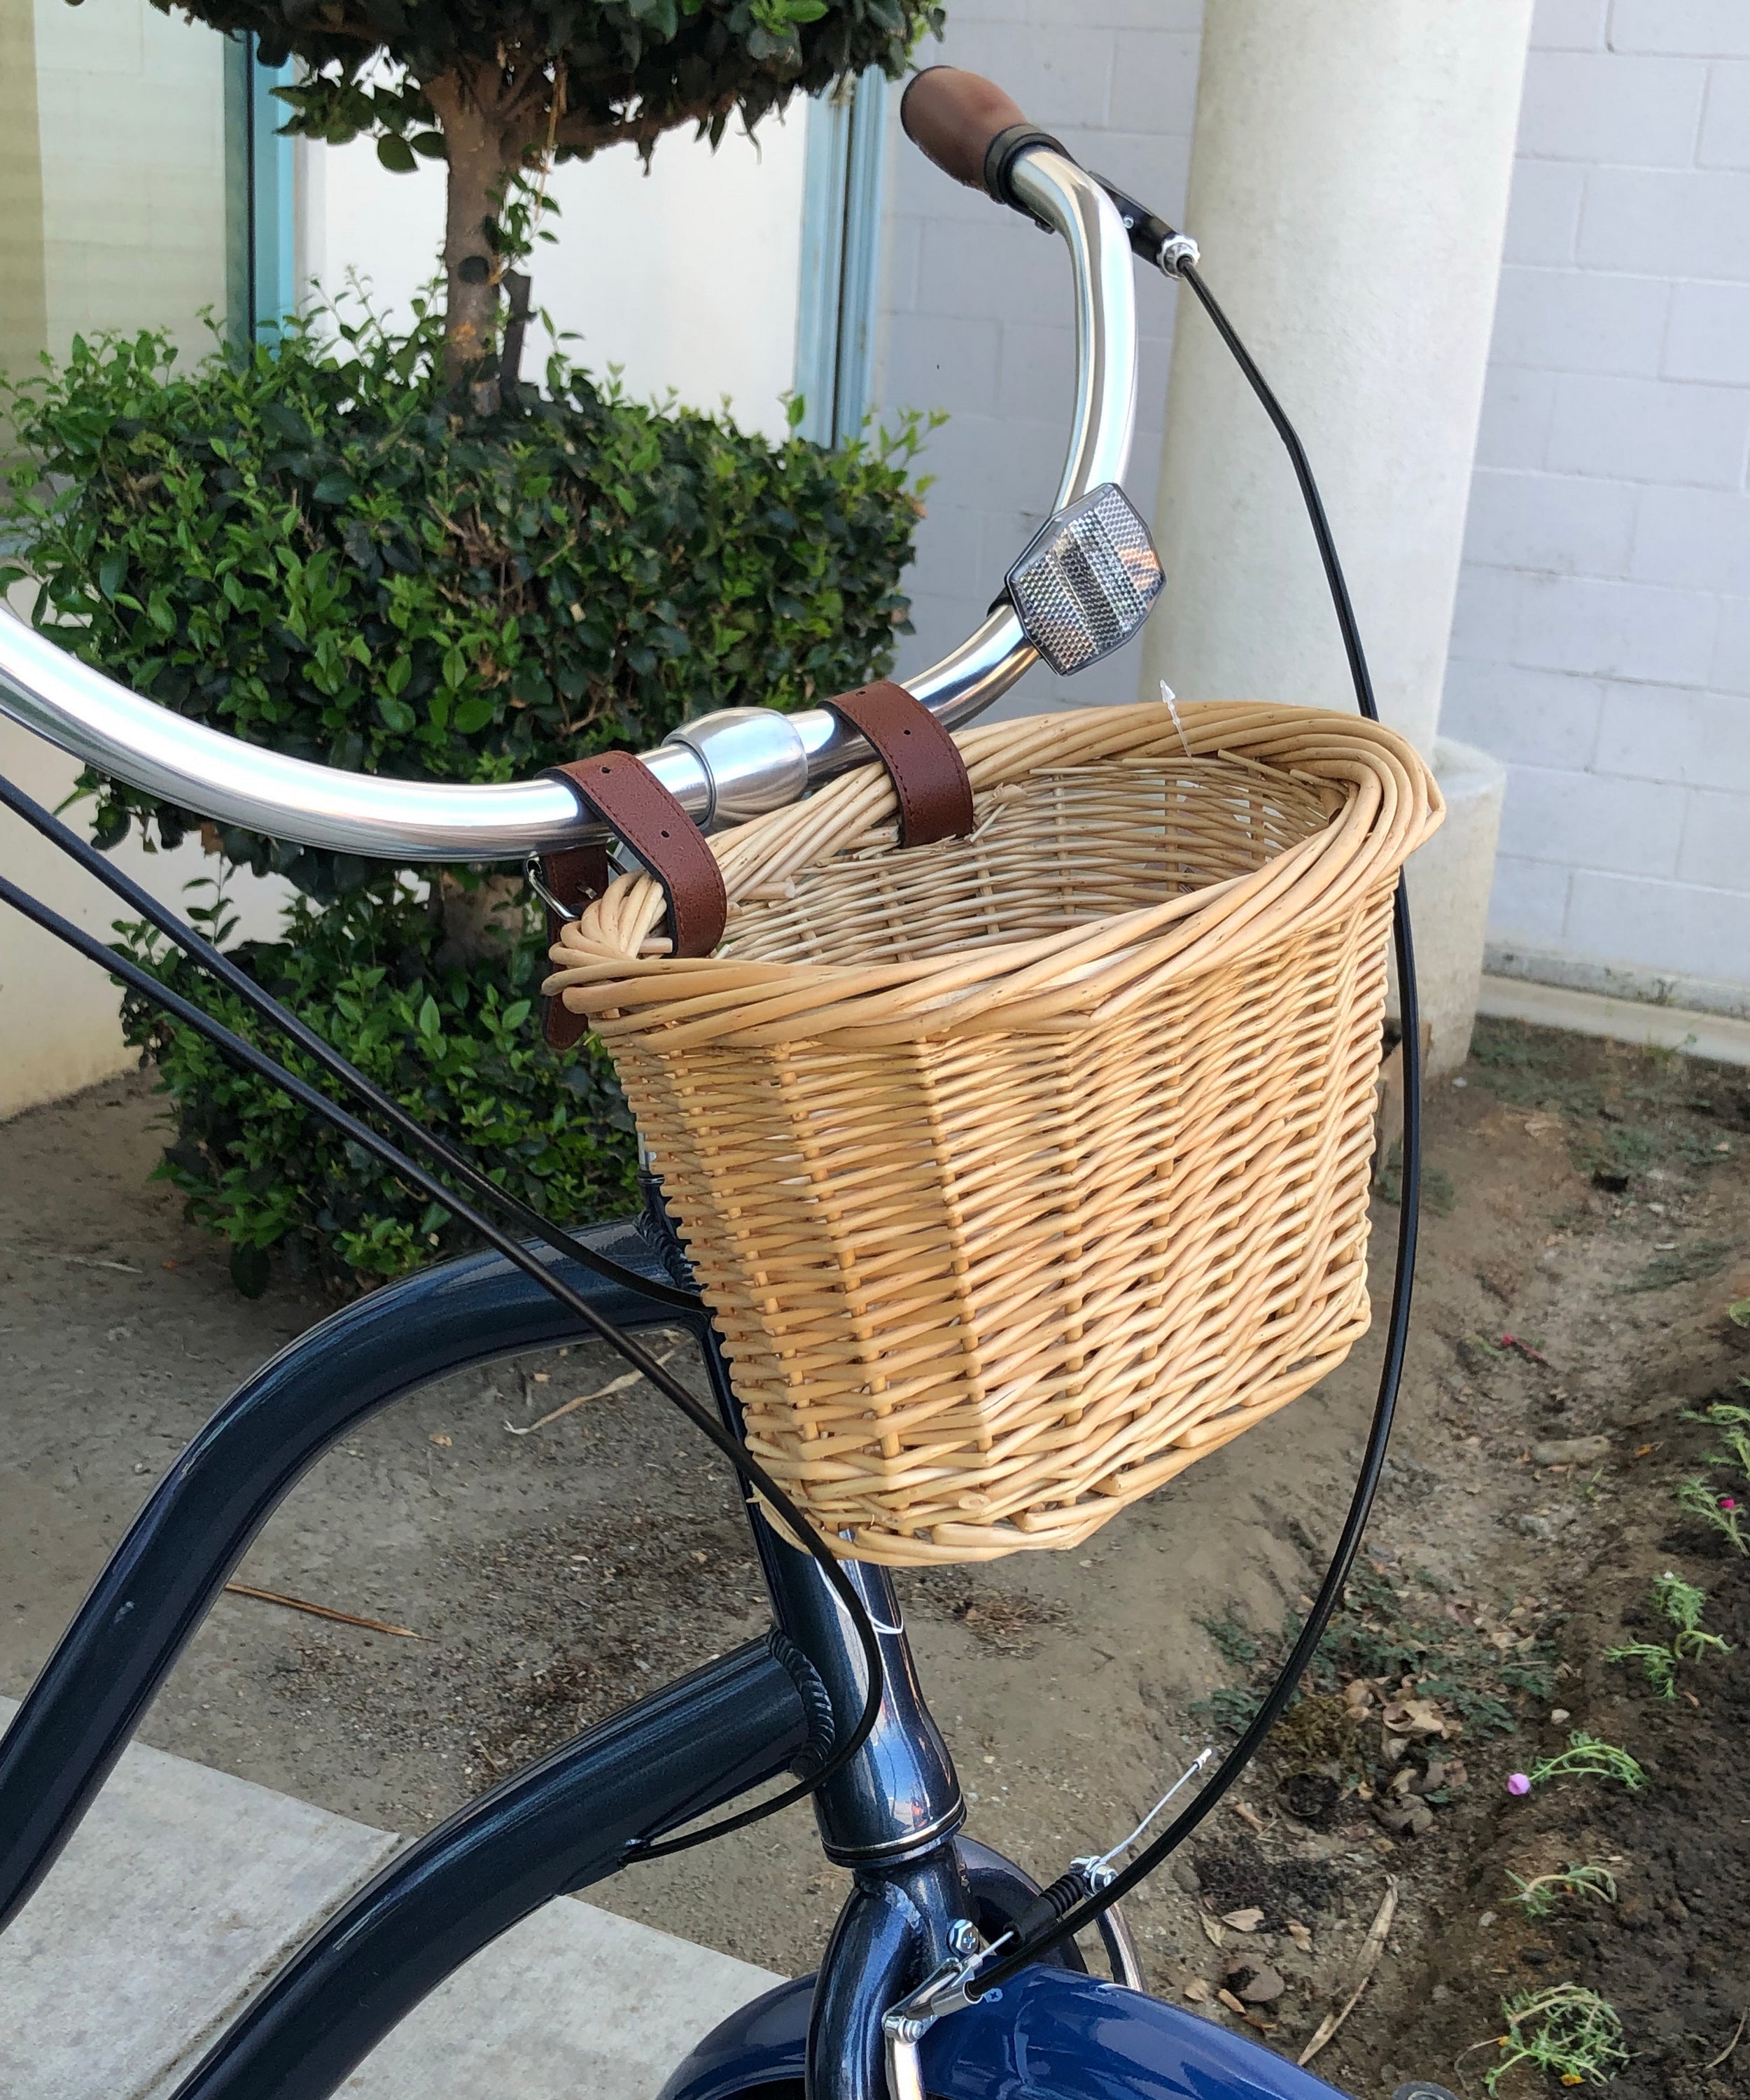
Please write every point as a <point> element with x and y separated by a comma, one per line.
<point>923,760</point>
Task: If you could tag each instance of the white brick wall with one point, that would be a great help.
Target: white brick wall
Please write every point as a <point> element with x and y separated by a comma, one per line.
<point>975,306</point>
<point>1603,643</point>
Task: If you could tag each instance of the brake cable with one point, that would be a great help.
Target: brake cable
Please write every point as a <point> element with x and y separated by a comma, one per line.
<point>1071,1903</point>
<point>240,1050</point>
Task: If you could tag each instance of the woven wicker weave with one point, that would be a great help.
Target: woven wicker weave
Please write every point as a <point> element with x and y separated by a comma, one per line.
<point>1020,1171</point>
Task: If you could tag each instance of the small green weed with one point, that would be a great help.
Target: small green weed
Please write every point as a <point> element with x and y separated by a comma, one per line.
<point>1624,1150</point>
<point>1659,1666</point>
<point>1732,1424</point>
<point>1720,1412</point>
<point>1689,1264</point>
<point>1719,1512</point>
<point>1385,1631</point>
<point>1682,1603</point>
<point>1587,1757</point>
<point>1437,1193</point>
<point>1235,1642</point>
<point>1542,1894</point>
<point>1230,1707</point>
<point>1624,1116</point>
<point>1566,2029</point>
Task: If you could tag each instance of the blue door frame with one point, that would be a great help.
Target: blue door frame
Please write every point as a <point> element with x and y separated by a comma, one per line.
<point>262,222</point>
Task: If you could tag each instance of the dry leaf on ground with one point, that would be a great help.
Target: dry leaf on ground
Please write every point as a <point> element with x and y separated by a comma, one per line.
<point>1419,1717</point>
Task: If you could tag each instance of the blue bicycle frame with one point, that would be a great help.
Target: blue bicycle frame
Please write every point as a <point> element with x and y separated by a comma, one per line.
<point>894,1814</point>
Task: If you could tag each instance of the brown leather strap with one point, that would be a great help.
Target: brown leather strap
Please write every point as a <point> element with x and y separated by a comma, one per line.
<point>922,759</point>
<point>577,877</point>
<point>635,806</point>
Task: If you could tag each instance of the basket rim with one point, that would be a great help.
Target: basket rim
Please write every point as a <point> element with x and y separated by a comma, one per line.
<point>610,967</point>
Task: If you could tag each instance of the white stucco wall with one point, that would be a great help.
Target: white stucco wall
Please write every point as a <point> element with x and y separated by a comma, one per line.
<point>130,108</point>
<point>685,277</point>
<point>58,1029</point>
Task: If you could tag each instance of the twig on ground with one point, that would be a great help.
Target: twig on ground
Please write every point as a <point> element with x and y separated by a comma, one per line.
<point>1714,2063</point>
<point>614,1385</point>
<point>322,1611</point>
<point>86,1261</point>
<point>1372,1948</point>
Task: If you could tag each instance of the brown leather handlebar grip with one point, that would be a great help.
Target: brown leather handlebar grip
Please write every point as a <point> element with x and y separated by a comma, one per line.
<point>953,117</point>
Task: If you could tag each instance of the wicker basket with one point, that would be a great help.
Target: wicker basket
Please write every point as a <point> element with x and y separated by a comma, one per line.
<point>1022,1169</point>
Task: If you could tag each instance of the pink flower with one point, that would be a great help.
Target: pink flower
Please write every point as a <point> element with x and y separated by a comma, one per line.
<point>1518,1783</point>
<point>1728,1501</point>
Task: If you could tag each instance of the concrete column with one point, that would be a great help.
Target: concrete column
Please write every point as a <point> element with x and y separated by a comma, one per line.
<point>24,309</point>
<point>1349,170</point>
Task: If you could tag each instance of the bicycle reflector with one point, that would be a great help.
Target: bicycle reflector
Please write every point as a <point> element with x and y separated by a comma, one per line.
<point>1088,580</point>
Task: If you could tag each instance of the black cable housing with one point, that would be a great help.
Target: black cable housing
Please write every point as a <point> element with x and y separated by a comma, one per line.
<point>1051,1920</point>
<point>244,1053</point>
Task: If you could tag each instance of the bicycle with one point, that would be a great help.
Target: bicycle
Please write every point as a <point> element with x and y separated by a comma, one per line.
<point>949,1971</point>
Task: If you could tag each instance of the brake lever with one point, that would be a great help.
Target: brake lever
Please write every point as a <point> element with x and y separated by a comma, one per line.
<point>1152,240</point>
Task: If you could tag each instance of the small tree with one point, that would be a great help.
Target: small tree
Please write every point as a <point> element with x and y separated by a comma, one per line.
<point>502,91</point>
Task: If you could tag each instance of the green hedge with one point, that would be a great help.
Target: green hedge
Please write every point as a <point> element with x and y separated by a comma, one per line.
<point>457,1046</point>
<point>310,548</point>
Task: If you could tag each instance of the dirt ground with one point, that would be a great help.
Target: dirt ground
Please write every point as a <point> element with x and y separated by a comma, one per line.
<point>1588,1202</point>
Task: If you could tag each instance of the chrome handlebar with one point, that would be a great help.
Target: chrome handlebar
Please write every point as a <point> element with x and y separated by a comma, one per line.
<point>722,767</point>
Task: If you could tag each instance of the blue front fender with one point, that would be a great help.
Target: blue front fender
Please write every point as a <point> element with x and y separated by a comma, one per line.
<point>1048,2035</point>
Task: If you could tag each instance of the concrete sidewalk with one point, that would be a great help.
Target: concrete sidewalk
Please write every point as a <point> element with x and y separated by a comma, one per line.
<point>184,1889</point>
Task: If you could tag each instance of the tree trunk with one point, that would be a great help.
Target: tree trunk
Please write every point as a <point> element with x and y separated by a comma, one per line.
<point>482,925</point>
<point>479,174</point>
